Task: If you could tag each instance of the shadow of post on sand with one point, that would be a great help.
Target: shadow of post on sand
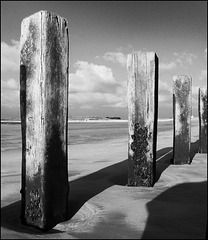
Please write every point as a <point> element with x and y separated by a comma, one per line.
<point>165,156</point>
<point>180,212</point>
<point>82,189</point>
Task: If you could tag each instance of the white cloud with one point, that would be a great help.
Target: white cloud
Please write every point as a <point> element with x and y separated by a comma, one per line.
<point>116,57</point>
<point>194,99</point>
<point>10,56</point>
<point>165,93</point>
<point>163,98</point>
<point>94,85</point>
<point>163,86</point>
<point>92,78</point>
<point>10,99</point>
<point>167,66</point>
<point>91,99</point>
<point>10,84</point>
<point>184,58</point>
<point>121,104</point>
<point>86,107</point>
<point>203,75</point>
<point>195,90</point>
<point>10,93</point>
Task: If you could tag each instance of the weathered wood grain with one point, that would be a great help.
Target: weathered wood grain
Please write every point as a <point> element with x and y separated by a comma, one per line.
<point>182,109</point>
<point>202,110</point>
<point>44,61</point>
<point>142,96</point>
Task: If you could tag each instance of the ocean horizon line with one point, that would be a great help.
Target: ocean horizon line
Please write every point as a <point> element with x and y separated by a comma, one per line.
<point>87,121</point>
<point>91,121</point>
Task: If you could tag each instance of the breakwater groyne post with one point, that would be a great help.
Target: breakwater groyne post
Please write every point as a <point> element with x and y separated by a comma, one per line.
<point>182,110</point>
<point>142,96</point>
<point>44,62</point>
<point>202,110</point>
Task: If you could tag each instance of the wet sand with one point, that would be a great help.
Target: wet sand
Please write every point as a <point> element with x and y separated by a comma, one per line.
<point>102,206</point>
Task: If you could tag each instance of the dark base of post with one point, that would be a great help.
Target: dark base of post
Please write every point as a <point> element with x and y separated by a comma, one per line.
<point>141,171</point>
<point>181,151</point>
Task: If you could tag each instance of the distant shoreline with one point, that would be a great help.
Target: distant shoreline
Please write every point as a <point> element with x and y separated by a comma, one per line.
<point>92,121</point>
<point>10,122</point>
<point>70,121</point>
<point>83,121</point>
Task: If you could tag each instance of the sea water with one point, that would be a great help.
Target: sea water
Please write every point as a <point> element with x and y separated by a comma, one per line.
<point>78,133</point>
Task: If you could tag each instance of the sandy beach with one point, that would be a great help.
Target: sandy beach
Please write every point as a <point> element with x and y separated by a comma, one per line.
<point>102,206</point>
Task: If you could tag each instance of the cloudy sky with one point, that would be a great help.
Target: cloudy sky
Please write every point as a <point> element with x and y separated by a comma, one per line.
<point>101,36</point>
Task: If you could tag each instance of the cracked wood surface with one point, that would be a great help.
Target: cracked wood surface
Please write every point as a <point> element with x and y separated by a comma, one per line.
<point>182,110</point>
<point>142,70</point>
<point>44,61</point>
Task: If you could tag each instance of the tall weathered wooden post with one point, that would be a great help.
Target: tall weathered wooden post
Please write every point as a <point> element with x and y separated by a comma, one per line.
<point>182,109</point>
<point>202,109</point>
<point>44,61</point>
<point>142,68</point>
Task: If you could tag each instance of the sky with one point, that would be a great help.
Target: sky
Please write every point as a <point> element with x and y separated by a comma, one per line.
<point>101,34</point>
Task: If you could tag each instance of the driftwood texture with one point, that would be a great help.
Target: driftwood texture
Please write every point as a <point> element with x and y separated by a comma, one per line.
<point>142,68</point>
<point>44,61</point>
<point>202,108</point>
<point>182,108</point>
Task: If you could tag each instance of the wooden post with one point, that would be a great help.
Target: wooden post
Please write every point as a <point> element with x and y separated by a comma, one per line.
<point>44,61</point>
<point>142,68</point>
<point>202,108</point>
<point>182,108</point>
